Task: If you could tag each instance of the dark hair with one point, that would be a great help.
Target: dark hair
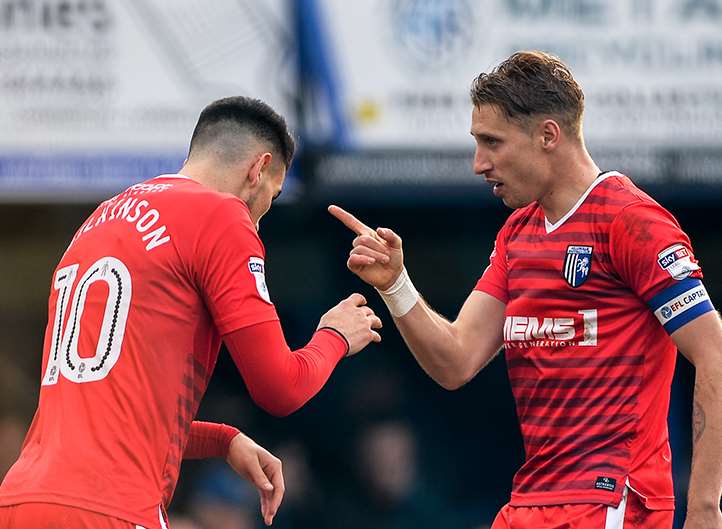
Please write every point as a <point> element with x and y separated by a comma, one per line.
<point>531,83</point>
<point>226,125</point>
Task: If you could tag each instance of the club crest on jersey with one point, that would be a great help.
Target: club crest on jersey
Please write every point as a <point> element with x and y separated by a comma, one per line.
<point>577,264</point>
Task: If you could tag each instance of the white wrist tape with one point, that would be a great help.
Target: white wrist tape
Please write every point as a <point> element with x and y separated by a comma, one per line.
<point>400,297</point>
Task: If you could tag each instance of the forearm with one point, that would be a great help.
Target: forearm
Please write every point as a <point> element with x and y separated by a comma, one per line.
<point>207,439</point>
<point>280,380</point>
<point>705,486</point>
<point>436,345</point>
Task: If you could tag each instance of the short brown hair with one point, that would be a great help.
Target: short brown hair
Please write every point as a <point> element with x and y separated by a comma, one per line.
<point>532,83</point>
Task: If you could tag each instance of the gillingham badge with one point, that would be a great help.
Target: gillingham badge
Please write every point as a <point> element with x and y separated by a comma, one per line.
<point>577,264</point>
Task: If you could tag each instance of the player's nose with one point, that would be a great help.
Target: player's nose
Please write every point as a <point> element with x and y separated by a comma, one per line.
<point>482,163</point>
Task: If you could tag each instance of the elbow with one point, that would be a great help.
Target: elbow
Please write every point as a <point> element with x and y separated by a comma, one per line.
<point>278,404</point>
<point>280,411</point>
<point>450,385</point>
<point>453,380</point>
<point>455,375</point>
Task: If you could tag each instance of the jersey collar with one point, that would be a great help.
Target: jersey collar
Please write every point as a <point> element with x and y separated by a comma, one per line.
<point>173,176</point>
<point>598,180</point>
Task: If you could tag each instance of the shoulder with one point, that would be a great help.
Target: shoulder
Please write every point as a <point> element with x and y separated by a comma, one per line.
<point>617,192</point>
<point>643,222</point>
<point>621,204</point>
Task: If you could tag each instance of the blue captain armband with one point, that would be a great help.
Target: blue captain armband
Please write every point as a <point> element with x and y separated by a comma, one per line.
<point>680,304</point>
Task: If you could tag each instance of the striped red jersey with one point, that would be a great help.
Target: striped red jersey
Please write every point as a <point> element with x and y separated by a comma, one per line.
<point>590,303</point>
<point>138,304</point>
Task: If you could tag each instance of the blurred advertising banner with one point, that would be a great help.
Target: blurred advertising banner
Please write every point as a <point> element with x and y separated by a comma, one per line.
<point>99,94</point>
<point>394,76</point>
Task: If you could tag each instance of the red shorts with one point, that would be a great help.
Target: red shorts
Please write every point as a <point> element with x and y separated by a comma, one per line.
<point>631,514</point>
<point>54,516</point>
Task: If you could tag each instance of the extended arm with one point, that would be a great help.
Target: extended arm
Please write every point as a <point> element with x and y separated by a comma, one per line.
<point>701,342</point>
<point>280,380</point>
<point>451,353</point>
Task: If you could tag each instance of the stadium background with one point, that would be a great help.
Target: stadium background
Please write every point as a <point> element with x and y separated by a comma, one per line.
<point>98,95</point>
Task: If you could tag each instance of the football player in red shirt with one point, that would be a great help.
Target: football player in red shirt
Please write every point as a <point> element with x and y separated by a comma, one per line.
<point>591,289</point>
<point>150,284</point>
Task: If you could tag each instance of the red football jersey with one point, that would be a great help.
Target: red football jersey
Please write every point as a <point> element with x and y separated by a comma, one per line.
<point>138,305</point>
<point>590,303</point>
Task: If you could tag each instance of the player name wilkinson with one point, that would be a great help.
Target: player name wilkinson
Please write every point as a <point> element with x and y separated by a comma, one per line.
<point>133,211</point>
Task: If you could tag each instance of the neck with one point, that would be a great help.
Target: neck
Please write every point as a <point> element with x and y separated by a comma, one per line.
<point>214,177</point>
<point>570,180</point>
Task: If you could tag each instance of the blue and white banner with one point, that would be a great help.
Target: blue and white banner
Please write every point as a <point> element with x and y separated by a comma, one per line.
<point>97,95</point>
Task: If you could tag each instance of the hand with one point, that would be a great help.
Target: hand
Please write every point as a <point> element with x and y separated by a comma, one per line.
<point>706,518</point>
<point>257,465</point>
<point>376,256</point>
<point>355,321</point>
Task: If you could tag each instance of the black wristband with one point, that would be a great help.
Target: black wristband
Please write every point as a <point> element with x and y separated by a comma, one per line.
<point>348,345</point>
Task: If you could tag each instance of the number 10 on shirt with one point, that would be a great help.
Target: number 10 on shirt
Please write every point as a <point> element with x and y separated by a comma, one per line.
<point>64,358</point>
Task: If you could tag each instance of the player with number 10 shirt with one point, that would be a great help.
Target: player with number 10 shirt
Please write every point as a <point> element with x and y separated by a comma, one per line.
<point>150,284</point>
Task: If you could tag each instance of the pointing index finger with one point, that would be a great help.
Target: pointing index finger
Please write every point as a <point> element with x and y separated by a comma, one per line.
<point>348,220</point>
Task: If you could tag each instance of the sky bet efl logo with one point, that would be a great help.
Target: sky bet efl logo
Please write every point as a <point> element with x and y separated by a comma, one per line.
<point>256,267</point>
<point>676,260</point>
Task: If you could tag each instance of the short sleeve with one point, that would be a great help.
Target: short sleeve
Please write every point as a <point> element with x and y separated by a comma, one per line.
<point>654,257</point>
<point>494,279</point>
<point>230,269</point>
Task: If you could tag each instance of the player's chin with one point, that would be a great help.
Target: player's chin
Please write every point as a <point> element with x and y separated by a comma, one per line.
<point>514,202</point>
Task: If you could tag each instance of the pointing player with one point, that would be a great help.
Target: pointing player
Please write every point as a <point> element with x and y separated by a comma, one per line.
<point>139,303</point>
<point>591,289</point>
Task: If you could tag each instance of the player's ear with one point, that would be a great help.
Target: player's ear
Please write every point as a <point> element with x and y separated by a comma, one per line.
<point>550,134</point>
<point>256,172</point>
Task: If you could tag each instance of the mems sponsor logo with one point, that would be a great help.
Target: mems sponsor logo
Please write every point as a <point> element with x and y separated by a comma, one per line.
<point>532,331</point>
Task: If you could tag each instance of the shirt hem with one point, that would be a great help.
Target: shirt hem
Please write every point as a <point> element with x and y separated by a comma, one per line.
<point>659,503</point>
<point>7,500</point>
<point>493,291</point>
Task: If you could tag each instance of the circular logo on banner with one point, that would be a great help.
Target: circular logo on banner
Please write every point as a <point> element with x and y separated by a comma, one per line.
<point>432,34</point>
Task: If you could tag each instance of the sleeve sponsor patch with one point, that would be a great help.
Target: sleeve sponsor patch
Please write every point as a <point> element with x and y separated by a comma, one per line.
<point>680,304</point>
<point>257,268</point>
<point>676,261</point>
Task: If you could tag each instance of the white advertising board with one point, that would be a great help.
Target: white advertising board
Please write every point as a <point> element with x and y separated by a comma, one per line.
<point>651,69</point>
<point>99,94</point>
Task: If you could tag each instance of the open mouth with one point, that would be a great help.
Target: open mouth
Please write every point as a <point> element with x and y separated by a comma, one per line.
<point>496,188</point>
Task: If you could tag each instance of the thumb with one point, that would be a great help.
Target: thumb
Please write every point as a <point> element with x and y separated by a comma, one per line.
<point>356,299</point>
<point>390,237</point>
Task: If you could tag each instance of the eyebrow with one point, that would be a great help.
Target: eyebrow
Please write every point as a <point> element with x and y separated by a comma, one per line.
<point>484,136</point>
